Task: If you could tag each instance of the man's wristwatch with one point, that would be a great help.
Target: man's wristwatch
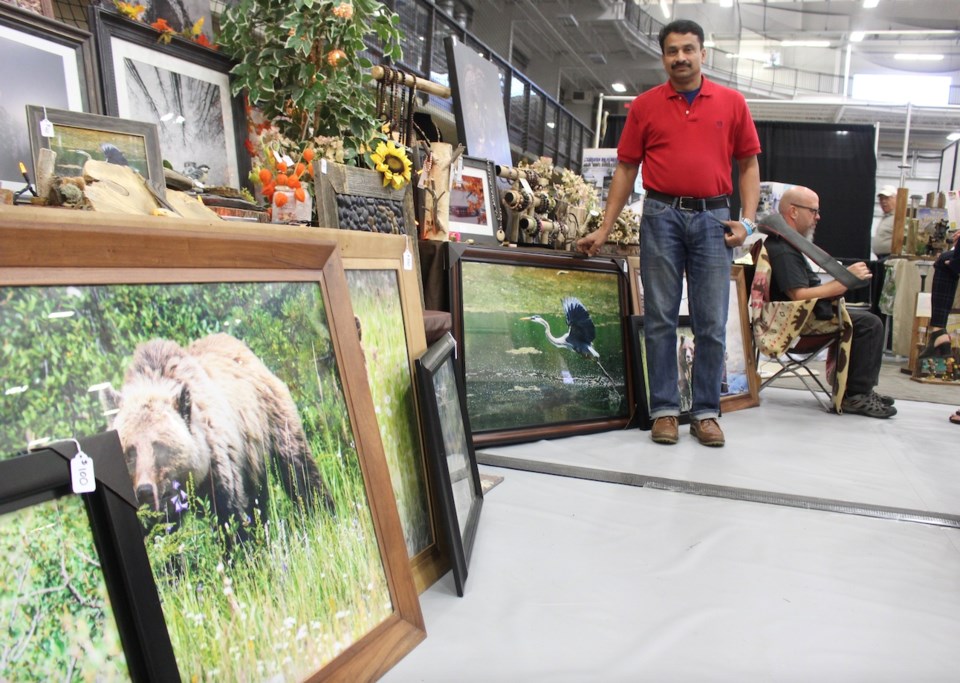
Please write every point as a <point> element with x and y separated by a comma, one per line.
<point>749,225</point>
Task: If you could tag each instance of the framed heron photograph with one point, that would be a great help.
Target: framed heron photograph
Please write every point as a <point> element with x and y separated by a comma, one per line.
<point>543,342</point>
<point>455,475</point>
<point>46,63</point>
<point>181,87</point>
<point>264,496</point>
<point>78,596</point>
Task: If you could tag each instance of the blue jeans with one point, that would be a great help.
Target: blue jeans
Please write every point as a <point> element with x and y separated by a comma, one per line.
<point>674,242</point>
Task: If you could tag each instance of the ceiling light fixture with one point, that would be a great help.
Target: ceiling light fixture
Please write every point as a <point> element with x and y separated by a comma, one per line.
<point>665,8</point>
<point>954,136</point>
<point>726,3</point>
<point>805,43</point>
<point>857,36</point>
<point>913,57</point>
<point>618,87</point>
<point>870,4</point>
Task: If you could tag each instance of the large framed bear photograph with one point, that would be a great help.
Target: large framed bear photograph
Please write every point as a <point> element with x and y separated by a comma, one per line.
<point>229,364</point>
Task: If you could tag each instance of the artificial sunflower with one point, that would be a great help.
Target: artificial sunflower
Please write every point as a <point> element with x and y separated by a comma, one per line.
<point>393,163</point>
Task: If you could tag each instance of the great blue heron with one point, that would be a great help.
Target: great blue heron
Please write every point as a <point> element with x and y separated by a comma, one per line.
<point>579,335</point>
<point>580,329</point>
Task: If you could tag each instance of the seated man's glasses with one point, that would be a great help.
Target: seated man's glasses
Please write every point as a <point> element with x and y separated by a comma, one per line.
<point>808,208</point>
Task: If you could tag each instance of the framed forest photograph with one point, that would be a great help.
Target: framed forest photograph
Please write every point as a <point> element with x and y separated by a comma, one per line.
<point>46,63</point>
<point>385,295</point>
<point>455,474</point>
<point>183,88</point>
<point>229,364</point>
<point>78,598</point>
<point>543,341</point>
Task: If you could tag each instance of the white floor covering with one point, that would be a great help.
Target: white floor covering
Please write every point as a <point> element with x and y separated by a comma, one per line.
<point>575,580</point>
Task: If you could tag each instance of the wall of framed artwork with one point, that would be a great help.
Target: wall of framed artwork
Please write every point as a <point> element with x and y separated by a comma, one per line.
<point>183,88</point>
<point>46,63</point>
<point>385,297</point>
<point>506,306</point>
<point>454,462</point>
<point>78,595</point>
<point>78,137</point>
<point>311,565</point>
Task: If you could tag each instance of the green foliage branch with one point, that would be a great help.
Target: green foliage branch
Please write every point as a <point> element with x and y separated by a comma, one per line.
<point>304,63</point>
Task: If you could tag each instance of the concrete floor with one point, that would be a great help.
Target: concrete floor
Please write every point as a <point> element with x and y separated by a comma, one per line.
<point>577,580</point>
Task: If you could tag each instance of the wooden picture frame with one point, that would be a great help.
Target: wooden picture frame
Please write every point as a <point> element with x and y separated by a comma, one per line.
<point>245,282</point>
<point>96,568</point>
<point>686,344</point>
<point>382,282</point>
<point>741,387</point>
<point>475,212</point>
<point>520,385</point>
<point>454,462</point>
<point>351,198</point>
<point>78,136</point>
<point>183,88</point>
<point>46,63</point>
<point>636,286</point>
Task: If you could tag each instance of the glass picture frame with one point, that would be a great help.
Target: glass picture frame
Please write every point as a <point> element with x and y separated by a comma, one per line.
<point>525,377</point>
<point>454,462</point>
<point>475,213</point>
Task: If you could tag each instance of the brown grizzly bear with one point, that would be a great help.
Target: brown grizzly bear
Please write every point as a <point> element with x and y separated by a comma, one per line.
<point>212,412</point>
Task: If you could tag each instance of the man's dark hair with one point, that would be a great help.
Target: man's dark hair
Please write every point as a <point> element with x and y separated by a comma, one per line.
<point>681,26</point>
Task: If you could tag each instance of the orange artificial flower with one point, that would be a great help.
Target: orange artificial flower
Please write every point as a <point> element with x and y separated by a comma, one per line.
<point>300,194</point>
<point>279,199</point>
<point>334,57</point>
<point>308,155</point>
<point>265,175</point>
<point>344,10</point>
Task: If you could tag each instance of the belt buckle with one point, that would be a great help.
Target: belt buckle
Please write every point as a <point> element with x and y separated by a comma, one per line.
<point>688,203</point>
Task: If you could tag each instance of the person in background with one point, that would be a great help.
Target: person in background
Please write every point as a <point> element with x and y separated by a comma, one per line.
<point>887,197</point>
<point>793,280</point>
<point>685,132</point>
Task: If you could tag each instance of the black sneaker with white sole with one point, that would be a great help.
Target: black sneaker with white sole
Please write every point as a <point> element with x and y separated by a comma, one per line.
<point>871,405</point>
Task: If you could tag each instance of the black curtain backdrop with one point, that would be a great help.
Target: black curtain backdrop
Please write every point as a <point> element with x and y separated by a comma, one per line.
<point>835,161</point>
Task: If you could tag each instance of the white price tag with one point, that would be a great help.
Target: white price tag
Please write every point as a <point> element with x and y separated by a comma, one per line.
<point>407,260</point>
<point>288,161</point>
<point>525,185</point>
<point>276,155</point>
<point>46,127</point>
<point>323,166</point>
<point>81,473</point>
<point>624,264</point>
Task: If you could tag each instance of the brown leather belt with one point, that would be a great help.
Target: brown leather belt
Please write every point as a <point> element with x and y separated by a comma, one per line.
<point>691,203</point>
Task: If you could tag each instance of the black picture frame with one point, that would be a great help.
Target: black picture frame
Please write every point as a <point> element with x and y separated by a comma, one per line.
<point>203,77</point>
<point>520,386</point>
<point>43,475</point>
<point>478,104</point>
<point>642,419</point>
<point>479,175</point>
<point>45,62</point>
<point>455,477</point>
<point>93,129</point>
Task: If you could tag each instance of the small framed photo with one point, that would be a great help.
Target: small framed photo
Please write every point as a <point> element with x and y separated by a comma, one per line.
<point>443,412</point>
<point>474,202</point>
<point>686,353</point>
<point>79,137</point>
<point>740,387</point>
<point>79,597</point>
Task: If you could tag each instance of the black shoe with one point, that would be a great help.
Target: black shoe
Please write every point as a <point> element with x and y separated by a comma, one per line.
<point>886,400</point>
<point>867,404</point>
<point>931,350</point>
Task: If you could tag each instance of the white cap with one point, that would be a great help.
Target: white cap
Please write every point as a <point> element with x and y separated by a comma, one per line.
<point>887,191</point>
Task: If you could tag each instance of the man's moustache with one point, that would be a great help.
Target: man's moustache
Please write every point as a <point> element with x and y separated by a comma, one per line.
<point>679,64</point>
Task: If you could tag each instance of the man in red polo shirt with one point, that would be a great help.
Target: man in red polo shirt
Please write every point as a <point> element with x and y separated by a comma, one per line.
<point>685,133</point>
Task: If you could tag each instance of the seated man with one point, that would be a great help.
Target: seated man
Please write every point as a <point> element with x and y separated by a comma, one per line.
<point>793,280</point>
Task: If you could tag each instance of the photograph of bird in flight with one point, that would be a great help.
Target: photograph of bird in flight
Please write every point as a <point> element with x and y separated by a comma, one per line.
<point>542,346</point>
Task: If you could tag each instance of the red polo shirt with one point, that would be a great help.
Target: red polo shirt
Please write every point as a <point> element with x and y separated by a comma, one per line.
<point>687,150</point>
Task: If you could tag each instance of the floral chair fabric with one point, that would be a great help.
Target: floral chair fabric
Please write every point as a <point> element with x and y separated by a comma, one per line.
<point>778,325</point>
